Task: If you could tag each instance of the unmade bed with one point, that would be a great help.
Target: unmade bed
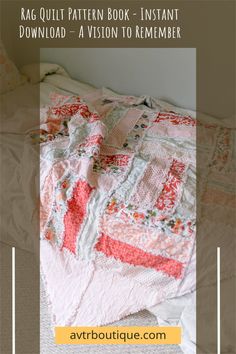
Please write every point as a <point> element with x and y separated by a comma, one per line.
<point>117,200</point>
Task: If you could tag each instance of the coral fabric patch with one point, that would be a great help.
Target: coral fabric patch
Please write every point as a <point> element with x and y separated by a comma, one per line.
<point>117,160</point>
<point>76,213</point>
<point>175,119</point>
<point>92,140</point>
<point>137,257</point>
<point>111,163</point>
<point>66,109</point>
<point>171,191</point>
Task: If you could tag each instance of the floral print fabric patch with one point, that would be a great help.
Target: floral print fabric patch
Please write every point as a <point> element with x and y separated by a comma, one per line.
<point>111,163</point>
<point>170,195</point>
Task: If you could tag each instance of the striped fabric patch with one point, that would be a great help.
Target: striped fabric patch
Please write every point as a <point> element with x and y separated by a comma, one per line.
<point>76,212</point>
<point>137,257</point>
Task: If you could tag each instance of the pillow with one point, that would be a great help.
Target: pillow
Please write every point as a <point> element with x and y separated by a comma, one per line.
<point>9,75</point>
<point>36,72</point>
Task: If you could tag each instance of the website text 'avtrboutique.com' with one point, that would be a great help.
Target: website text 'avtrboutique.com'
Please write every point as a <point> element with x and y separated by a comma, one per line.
<point>118,335</point>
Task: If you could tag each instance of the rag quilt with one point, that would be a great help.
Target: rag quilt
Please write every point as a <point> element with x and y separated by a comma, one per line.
<point>118,204</point>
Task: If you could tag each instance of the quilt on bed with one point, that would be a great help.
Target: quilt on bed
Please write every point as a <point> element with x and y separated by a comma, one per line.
<point>118,204</point>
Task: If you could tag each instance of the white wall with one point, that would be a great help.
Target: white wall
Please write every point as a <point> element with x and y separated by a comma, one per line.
<point>164,73</point>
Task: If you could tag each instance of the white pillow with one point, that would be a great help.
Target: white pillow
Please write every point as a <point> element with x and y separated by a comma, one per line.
<point>36,72</point>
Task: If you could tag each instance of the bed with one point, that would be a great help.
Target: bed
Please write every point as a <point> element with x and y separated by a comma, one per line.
<point>117,199</point>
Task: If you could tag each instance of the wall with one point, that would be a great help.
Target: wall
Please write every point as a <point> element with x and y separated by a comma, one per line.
<point>169,73</point>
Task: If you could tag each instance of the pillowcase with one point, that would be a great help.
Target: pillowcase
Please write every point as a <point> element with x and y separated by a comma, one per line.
<point>10,77</point>
<point>36,72</point>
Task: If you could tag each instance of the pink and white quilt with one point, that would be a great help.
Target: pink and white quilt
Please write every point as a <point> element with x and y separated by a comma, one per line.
<point>117,205</point>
